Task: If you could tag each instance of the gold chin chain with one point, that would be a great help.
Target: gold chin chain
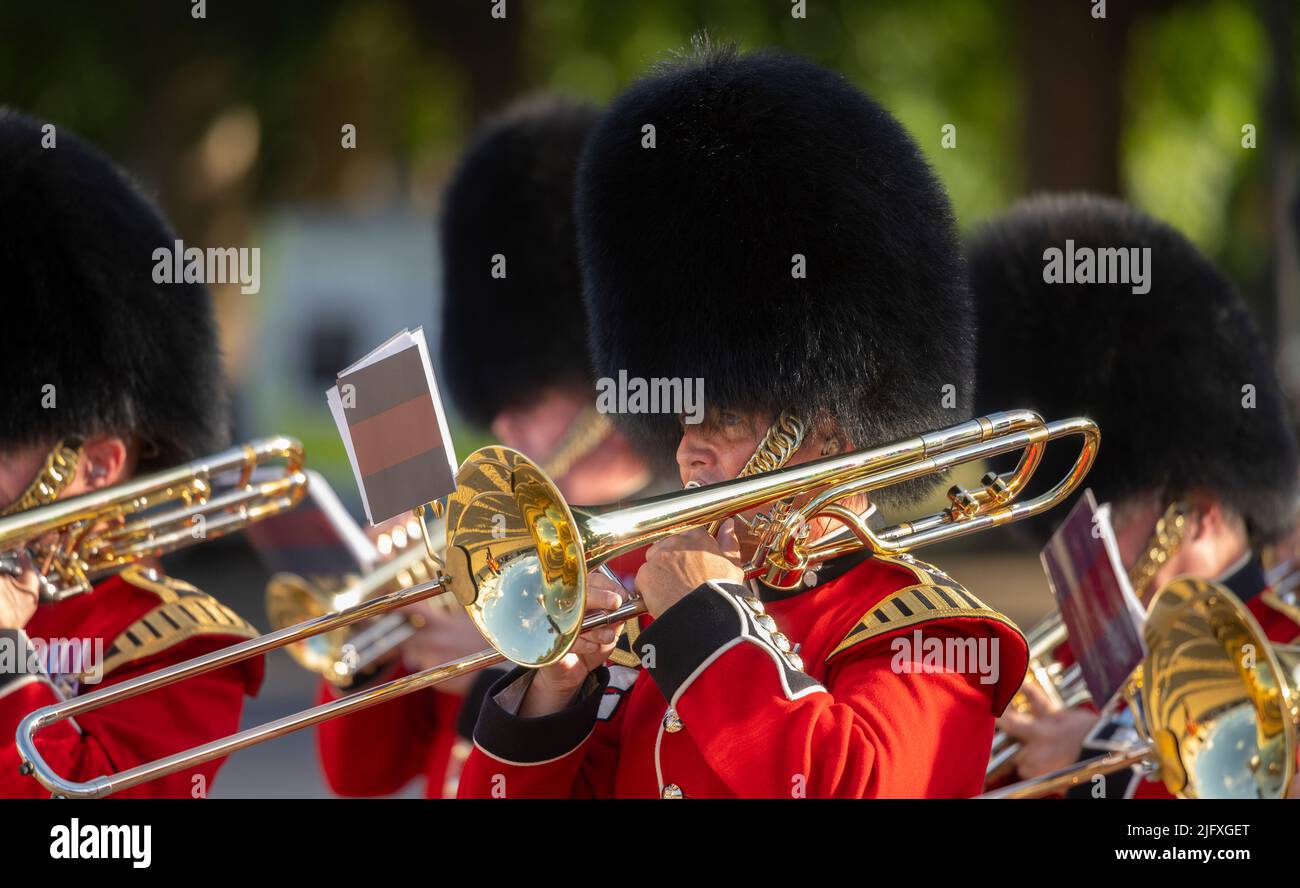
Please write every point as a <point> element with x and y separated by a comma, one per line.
<point>1164,542</point>
<point>53,478</point>
<point>783,438</point>
<point>585,434</point>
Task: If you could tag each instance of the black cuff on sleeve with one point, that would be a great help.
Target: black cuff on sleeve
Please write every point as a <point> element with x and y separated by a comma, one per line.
<point>687,634</point>
<point>473,703</point>
<point>531,741</point>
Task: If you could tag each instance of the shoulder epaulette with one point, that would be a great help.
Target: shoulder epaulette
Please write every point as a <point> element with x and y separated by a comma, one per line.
<point>184,612</point>
<point>935,596</point>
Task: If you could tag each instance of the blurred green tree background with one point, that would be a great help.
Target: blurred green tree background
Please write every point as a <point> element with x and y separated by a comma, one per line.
<point>231,115</point>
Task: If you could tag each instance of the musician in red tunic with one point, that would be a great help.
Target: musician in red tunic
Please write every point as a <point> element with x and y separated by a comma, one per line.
<point>1198,458</point>
<point>514,358</point>
<point>755,224</point>
<point>107,374</point>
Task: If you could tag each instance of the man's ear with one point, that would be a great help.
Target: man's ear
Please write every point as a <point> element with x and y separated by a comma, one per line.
<point>1210,516</point>
<point>834,441</point>
<point>105,461</point>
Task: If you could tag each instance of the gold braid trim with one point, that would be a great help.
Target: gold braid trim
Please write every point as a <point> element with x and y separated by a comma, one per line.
<point>912,605</point>
<point>185,613</point>
<point>630,630</point>
<point>53,478</point>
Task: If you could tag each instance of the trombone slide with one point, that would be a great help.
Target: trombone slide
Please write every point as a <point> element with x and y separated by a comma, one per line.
<point>107,785</point>
<point>1073,775</point>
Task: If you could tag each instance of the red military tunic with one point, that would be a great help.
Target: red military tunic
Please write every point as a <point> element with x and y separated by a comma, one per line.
<point>143,621</point>
<point>381,749</point>
<point>723,708</point>
<point>378,751</point>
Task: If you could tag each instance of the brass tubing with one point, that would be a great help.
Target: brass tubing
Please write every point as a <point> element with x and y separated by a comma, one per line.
<point>1072,775</point>
<point>107,785</point>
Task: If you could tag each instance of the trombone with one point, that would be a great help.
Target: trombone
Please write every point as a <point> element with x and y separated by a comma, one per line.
<point>340,655</point>
<point>518,557</point>
<point>1215,701</point>
<point>1064,685</point>
<point>72,542</point>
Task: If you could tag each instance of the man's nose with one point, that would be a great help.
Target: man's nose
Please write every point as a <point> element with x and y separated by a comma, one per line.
<point>693,454</point>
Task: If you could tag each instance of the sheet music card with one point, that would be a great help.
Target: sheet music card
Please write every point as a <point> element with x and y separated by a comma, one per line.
<point>1092,590</point>
<point>389,414</point>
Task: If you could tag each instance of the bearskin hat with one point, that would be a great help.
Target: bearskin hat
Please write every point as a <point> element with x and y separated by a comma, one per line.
<point>506,337</point>
<point>1164,373</point>
<point>756,221</point>
<point>83,314</point>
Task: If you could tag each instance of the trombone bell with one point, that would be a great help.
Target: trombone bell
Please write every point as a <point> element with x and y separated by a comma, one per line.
<point>1214,699</point>
<point>341,654</point>
<point>1218,697</point>
<point>291,600</point>
<point>515,556</point>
